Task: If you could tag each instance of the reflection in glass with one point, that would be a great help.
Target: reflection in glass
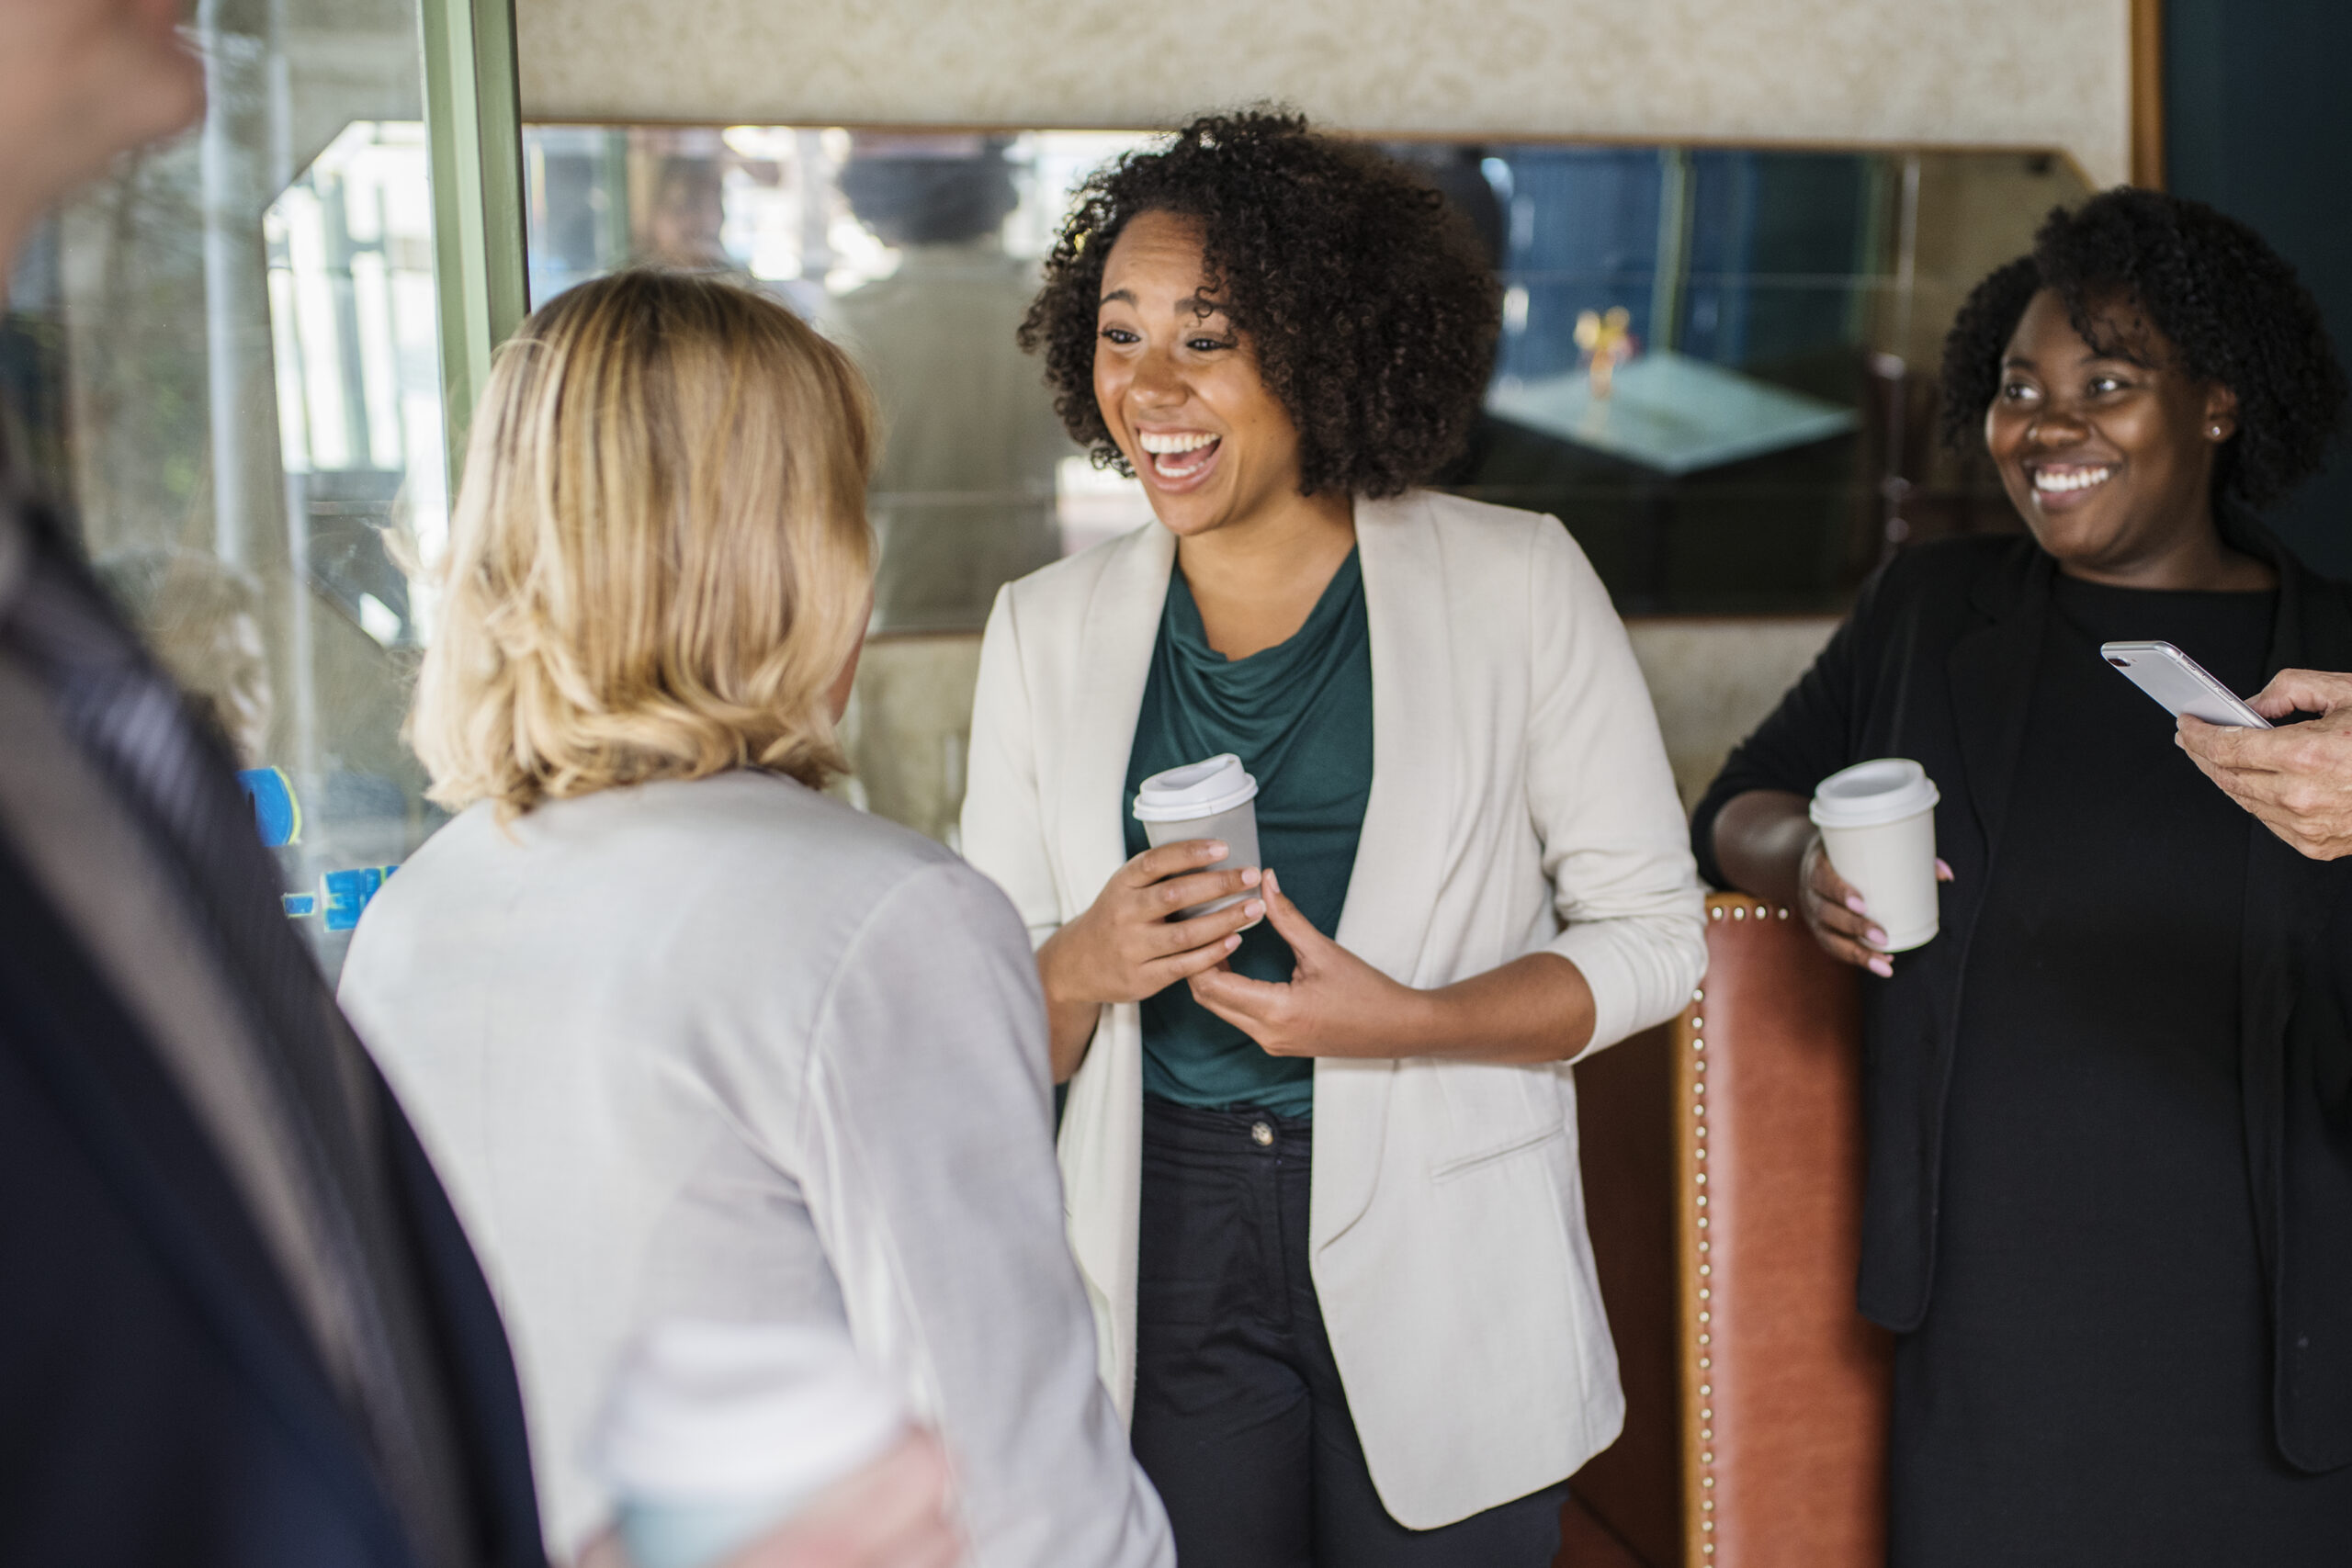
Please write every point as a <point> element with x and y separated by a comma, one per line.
<point>202,618</point>
<point>359,421</point>
<point>963,497</point>
<point>920,252</point>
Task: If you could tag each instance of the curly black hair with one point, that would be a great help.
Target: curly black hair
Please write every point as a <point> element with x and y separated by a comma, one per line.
<point>1366,295</point>
<point>2230,306</point>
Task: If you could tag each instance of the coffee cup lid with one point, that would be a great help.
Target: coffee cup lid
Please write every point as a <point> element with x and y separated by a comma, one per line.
<point>1869,795</point>
<point>1196,789</point>
<point>703,1410</point>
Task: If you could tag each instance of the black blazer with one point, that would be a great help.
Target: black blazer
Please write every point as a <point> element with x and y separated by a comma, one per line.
<point>1934,664</point>
<point>160,1398</point>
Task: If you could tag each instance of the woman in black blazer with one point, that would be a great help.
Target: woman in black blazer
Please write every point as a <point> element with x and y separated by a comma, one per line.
<point>2109,1196</point>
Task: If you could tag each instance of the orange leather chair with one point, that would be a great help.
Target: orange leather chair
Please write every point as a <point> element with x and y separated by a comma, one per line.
<point>1722,1162</point>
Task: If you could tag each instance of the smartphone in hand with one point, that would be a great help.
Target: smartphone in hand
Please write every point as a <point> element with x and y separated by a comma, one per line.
<point>2180,683</point>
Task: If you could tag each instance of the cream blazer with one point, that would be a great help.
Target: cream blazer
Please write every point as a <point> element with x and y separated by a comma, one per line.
<point>1520,802</point>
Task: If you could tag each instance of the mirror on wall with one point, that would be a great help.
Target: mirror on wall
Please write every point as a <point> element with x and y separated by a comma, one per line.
<point>1712,368</point>
<point>1717,365</point>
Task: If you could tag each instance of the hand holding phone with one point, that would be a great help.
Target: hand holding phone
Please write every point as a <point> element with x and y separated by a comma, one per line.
<point>2297,779</point>
<point>2180,683</point>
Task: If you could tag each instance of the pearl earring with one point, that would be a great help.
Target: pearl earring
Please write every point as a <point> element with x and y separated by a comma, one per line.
<point>2217,433</point>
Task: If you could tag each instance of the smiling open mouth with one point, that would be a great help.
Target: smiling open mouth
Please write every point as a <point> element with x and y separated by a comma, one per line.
<point>2061,481</point>
<point>1178,455</point>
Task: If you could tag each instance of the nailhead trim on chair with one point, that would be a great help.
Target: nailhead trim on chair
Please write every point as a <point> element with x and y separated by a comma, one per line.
<point>1698,1180</point>
<point>1701,1266</point>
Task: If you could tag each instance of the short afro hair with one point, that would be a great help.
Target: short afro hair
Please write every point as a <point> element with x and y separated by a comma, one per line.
<point>2232,308</point>
<point>1366,295</point>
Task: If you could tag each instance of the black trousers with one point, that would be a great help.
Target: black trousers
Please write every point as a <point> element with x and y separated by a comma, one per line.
<point>1239,1417</point>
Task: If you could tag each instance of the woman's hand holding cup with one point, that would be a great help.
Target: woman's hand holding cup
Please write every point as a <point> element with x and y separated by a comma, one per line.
<point>1877,819</point>
<point>1157,921</point>
<point>1125,947</point>
<point>1835,911</point>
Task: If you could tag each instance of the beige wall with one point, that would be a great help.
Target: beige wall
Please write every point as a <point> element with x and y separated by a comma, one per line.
<point>2024,73</point>
<point>1713,681</point>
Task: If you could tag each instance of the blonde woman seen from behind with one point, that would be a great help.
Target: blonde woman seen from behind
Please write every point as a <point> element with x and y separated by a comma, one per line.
<point>688,1038</point>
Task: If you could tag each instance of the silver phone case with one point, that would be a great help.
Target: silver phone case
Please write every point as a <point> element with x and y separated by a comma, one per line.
<point>2179,683</point>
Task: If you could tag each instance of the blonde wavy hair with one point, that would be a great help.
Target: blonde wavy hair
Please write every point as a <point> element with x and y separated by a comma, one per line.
<point>659,563</point>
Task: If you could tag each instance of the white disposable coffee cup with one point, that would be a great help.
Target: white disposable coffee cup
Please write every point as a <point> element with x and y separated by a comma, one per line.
<point>715,1433</point>
<point>1878,824</point>
<point>1214,799</point>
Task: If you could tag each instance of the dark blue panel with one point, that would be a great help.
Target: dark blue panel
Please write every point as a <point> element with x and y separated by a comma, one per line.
<point>1810,212</point>
<point>1775,248</point>
<point>2258,121</point>
<point>1722,248</point>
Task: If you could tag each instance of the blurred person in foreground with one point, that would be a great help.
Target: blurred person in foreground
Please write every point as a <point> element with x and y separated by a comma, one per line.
<point>690,1039</point>
<point>2108,1203</point>
<point>238,1322</point>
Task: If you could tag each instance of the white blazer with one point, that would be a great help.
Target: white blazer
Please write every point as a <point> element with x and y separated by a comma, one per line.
<point>1520,802</point>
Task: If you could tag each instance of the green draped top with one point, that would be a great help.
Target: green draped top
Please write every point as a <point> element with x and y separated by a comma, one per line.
<point>1299,716</point>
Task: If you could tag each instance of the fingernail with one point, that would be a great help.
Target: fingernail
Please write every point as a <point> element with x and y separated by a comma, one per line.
<point>1233,942</point>
<point>1878,937</point>
<point>1214,849</point>
<point>1881,969</point>
<point>1854,901</point>
<point>1253,909</point>
<point>1250,876</point>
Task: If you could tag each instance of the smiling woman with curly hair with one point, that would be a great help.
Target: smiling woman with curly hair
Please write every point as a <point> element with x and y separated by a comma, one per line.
<point>1366,297</point>
<point>1319,1151</point>
<point>2202,286</point>
<point>2109,1192</point>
